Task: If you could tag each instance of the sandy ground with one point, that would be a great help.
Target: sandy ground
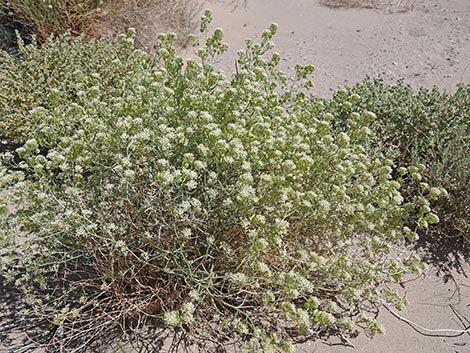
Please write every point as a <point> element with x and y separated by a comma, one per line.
<point>436,303</point>
<point>427,46</point>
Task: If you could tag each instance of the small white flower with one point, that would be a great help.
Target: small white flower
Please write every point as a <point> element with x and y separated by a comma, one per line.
<point>187,232</point>
<point>186,312</point>
<point>260,219</point>
<point>189,173</point>
<point>195,203</point>
<point>183,207</point>
<point>122,246</point>
<point>246,192</point>
<point>166,177</point>
<point>266,177</point>
<point>202,149</point>
<point>212,193</point>
<point>324,205</point>
<point>229,160</point>
<point>191,185</point>
<point>247,178</point>
<point>200,165</point>
<point>172,318</point>
<point>129,174</point>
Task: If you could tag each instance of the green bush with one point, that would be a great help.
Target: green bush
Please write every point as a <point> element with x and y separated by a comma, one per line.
<point>428,127</point>
<point>53,81</point>
<point>153,192</point>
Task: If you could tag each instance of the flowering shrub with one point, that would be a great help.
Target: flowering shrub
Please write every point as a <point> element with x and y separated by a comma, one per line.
<point>53,81</point>
<point>153,192</point>
<point>427,127</point>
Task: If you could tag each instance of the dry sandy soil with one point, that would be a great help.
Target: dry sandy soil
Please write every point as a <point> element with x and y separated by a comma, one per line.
<point>426,46</point>
<point>429,45</point>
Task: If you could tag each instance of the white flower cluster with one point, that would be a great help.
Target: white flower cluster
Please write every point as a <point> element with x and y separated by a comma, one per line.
<point>240,192</point>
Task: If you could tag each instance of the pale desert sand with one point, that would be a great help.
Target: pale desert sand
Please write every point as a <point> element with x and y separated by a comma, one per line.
<point>427,46</point>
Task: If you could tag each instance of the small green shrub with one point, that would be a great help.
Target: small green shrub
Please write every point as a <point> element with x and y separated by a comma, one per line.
<point>428,127</point>
<point>49,83</point>
<point>153,192</point>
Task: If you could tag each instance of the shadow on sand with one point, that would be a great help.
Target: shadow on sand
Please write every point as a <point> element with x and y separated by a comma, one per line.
<point>19,333</point>
<point>446,254</point>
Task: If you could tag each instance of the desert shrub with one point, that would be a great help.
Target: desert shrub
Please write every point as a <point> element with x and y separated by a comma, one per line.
<point>46,17</point>
<point>156,193</point>
<point>49,83</point>
<point>151,17</point>
<point>97,18</point>
<point>427,127</point>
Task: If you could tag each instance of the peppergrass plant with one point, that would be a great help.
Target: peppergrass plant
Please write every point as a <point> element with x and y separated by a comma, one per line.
<point>153,193</point>
<point>427,127</point>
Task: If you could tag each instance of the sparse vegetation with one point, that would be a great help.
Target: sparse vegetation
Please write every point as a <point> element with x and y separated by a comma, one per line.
<point>386,6</point>
<point>94,18</point>
<point>55,17</point>
<point>150,17</point>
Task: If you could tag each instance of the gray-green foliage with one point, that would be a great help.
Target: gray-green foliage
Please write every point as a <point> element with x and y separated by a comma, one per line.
<point>427,127</point>
<point>153,191</point>
<point>51,82</point>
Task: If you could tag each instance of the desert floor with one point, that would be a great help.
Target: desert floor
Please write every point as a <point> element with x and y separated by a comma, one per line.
<point>427,46</point>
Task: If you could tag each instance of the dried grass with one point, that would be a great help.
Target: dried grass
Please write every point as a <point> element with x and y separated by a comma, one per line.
<point>150,17</point>
<point>384,6</point>
<point>44,18</point>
